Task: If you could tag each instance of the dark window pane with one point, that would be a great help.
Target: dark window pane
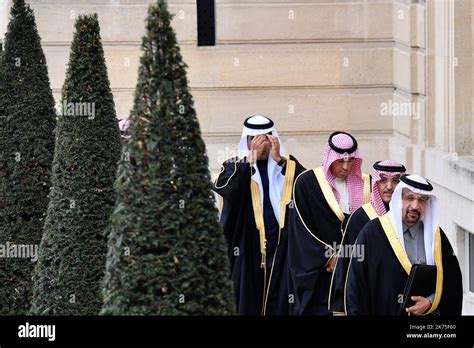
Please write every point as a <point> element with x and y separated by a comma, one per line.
<point>206,23</point>
<point>471,262</point>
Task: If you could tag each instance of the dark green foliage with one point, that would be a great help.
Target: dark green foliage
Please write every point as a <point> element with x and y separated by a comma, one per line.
<point>167,254</point>
<point>1,56</point>
<point>1,75</point>
<point>27,121</point>
<point>73,249</point>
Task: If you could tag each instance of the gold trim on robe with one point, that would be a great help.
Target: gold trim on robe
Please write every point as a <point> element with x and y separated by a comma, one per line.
<point>439,273</point>
<point>258,210</point>
<point>287,189</point>
<point>395,243</point>
<point>345,283</point>
<point>230,177</point>
<point>301,218</point>
<point>370,211</point>
<point>285,200</point>
<point>367,187</point>
<point>328,193</point>
<point>259,222</point>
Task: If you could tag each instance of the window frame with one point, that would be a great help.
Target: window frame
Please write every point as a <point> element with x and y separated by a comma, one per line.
<point>467,267</point>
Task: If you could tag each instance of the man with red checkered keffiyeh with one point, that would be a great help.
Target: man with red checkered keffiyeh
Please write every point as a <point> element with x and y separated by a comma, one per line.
<point>385,177</point>
<point>323,198</point>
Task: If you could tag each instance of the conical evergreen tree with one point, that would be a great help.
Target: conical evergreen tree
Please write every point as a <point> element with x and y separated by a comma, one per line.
<point>167,254</point>
<point>27,121</point>
<point>73,249</point>
<point>1,75</point>
<point>1,56</point>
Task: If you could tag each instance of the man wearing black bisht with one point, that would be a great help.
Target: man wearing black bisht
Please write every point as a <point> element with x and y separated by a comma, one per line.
<point>323,199</point>
<point>385,178</point>
<point>256,188</point>
<point>408,234</point>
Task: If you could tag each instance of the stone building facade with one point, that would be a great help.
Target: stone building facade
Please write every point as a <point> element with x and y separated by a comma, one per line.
<point>398,74</point>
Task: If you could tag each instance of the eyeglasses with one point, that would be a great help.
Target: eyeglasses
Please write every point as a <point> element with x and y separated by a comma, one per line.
<point>411,198</point>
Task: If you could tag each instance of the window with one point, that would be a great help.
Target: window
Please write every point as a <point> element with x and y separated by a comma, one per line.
<point>206,23</point>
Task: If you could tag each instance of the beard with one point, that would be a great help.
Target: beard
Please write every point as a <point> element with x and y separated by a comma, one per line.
<point>412,216</point>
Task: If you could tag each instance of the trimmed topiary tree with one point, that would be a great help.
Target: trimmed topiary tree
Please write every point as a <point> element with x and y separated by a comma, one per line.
<point>27,121</point>
<point>167,254</point>
<point>73,249</point>
<point>1,75</point>
<point>1,56</point>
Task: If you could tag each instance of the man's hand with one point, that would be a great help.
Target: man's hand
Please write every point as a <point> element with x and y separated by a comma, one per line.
<point>275,148</point>
<point>257,145</point>
<point>421,306</point>
<point>331,264</point>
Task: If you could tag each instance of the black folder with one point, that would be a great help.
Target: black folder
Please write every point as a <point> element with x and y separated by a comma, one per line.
<point>421,282</point>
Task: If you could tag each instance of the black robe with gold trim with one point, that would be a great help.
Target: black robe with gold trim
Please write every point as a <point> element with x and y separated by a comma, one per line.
<point>375,283</point>
<point>315,228</point>
<point>257,290</point>
<point>354,225</point>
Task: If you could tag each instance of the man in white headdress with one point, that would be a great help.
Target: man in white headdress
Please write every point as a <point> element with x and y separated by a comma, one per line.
<point>408,234</point>
<point>256,189</point>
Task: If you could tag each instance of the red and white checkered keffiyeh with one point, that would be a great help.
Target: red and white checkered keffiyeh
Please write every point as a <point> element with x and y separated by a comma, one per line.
<point>376,196</point>
<point>355,182</point>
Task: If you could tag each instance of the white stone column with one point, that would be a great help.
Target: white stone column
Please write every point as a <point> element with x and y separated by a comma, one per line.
<point>462,82</point>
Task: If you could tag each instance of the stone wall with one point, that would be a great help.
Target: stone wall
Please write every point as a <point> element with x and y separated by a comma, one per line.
<point>314,67</point>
